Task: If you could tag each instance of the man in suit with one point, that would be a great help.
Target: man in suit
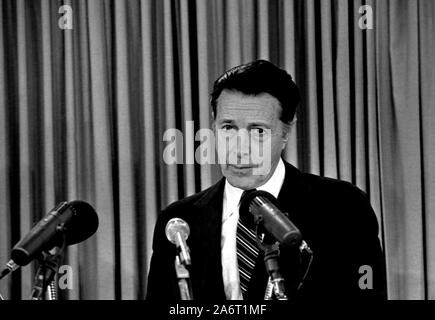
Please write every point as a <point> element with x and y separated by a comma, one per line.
<point>254,105</point>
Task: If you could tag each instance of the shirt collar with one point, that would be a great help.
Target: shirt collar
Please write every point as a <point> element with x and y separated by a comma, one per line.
<point>273,186</point>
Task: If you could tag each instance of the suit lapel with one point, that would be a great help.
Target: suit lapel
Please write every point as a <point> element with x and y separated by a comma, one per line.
<point>209,272</point>
<point>293,194</point>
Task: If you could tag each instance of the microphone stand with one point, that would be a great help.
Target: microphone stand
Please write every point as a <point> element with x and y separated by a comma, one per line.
<point>275,287</point>
<point>183,277</point>
<point>182,265</point>
<point>47,270</point>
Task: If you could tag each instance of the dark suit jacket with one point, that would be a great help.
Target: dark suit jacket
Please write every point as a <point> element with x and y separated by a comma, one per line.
<point>334,217</point>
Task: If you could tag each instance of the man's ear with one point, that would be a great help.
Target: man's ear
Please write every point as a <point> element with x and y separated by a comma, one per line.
<point>285,134</point>
<point>288,127</point>
<point>213,122</point>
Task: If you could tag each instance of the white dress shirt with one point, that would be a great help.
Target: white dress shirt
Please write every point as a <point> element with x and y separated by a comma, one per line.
<point>230,216</point>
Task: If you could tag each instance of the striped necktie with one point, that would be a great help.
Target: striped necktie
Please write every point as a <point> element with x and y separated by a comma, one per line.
<point>247,250</point>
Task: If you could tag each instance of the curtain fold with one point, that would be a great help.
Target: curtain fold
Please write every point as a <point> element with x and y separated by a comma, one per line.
<point>84,113</point>
<point>426,43</point>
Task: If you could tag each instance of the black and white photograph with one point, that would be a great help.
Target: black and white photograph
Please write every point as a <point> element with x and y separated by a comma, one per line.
<point>228,152</point>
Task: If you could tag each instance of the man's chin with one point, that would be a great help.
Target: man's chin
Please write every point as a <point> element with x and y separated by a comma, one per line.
<point>245,183</point>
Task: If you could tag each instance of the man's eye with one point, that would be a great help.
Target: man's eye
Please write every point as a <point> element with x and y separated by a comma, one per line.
<point>258,131</point>
<point>227,127</point>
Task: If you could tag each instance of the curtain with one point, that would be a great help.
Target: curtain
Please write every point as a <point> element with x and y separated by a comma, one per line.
<point>84,111</point>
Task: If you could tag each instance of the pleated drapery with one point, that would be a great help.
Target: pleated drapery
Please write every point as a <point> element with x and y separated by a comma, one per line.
<point>83,113</point>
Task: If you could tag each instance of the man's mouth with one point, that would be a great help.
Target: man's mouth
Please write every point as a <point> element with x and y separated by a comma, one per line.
<point>242,167</point>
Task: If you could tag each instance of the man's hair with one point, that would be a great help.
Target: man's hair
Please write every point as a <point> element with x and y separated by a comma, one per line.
<point>259,77</point>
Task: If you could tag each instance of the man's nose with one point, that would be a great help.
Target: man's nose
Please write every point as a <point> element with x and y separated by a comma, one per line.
<point>243,144</point>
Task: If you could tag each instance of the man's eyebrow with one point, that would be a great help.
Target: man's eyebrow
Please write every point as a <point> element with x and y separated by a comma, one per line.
<point>259,123</point>
<point>226,121</point>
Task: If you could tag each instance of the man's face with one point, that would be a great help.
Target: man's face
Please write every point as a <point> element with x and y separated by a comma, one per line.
<point>254,137</point>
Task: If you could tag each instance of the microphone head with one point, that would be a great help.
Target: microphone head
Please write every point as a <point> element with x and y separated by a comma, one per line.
<point>83,224</point>
<point>174,226</point>
<point>264,210</point>
<point>247,202</point>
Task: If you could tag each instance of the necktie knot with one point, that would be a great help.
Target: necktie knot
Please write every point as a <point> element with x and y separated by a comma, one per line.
<point>244,215</point>
<point>245,193</point>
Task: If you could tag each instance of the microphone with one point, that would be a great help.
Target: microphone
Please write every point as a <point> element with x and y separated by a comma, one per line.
<point>177,231</point>
<point>264,208</point>
<point>76,221</point>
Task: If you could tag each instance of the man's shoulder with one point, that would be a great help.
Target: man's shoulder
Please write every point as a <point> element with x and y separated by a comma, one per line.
<point>335,196</point>
<point>331,185</point>
<point>326,186</point>
<point>345,201</point>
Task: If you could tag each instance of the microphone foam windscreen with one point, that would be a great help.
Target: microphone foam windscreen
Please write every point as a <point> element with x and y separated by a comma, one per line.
<point>83,224</point>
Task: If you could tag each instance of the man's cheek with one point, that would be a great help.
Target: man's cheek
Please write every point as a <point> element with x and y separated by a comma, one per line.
<point>261,154</point>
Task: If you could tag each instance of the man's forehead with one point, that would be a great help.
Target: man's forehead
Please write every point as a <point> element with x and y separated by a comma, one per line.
<point>263,106</point>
